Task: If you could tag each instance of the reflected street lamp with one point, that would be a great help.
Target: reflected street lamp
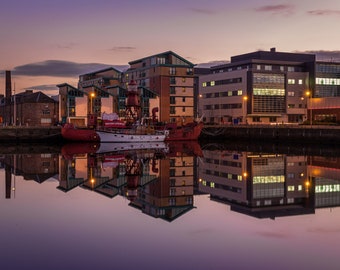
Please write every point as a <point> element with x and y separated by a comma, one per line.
<point>244,110</point>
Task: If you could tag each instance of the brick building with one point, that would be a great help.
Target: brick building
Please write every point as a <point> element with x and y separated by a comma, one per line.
<point>29,108</point>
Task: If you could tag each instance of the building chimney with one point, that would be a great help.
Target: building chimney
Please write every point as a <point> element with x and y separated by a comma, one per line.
<point>8,90</point>
<point>273,49</point>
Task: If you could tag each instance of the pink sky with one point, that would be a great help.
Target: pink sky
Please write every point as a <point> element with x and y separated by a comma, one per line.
<point>116,32</point>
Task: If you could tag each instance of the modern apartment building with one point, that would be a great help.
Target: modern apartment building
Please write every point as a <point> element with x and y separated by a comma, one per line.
<point>97,92</point>
<point>171,78</point>
<point>268,87</point>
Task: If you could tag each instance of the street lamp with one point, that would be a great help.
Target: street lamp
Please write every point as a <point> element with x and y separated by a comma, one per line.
<point>309,95</point>
<point>92,95</point>
<point>244,110</point>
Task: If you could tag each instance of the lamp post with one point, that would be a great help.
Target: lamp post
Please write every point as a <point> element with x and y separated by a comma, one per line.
<point>244,110</point>
<point>309,95</point>
<point>92,95</point>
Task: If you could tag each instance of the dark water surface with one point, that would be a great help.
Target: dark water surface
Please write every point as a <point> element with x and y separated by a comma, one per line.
<point>182,206</point>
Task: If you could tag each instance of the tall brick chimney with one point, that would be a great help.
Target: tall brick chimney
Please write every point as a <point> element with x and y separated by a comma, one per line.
<point>8,90</point>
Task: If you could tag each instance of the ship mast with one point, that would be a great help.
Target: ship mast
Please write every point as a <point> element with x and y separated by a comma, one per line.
<point>132,106</point>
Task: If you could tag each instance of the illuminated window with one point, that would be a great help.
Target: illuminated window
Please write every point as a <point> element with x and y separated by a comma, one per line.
<point>300,81</point>
<point>204,84</point>
<point>239,92</point>
<point>291,81</point>
<point>212,184</point>
<point>299,187</point>
<point>290,188</point>
<point>212,83</point>
<point>267,67</point>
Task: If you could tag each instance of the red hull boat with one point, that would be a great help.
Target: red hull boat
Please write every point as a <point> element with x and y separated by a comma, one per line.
<point>190,131</point>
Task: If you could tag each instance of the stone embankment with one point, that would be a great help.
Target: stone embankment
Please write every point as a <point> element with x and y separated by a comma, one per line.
<point>30,134</point>
<point>278,133</point>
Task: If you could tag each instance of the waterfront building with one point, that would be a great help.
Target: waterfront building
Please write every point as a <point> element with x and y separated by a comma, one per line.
<point>29,108</point>
<point>97,92</point>
<point>325,103</point>
<point>268,87</point>
<point>170,77</point>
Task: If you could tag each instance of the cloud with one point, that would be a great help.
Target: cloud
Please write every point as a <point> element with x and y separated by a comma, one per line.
<point>276,9</point>
<point>59,68</point>
<point>322,55</point>
<point>123,48</point>
<point>277,235</point>
<point>324,12</point>
<point>202,11</point>
<point>44,87</point>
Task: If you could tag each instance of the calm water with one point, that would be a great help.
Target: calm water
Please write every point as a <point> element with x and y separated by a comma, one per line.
<point>181,206</point>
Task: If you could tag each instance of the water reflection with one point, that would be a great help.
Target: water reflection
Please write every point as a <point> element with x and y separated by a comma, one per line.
<point>161,180</point>
<point>158,180</point>
<point>270,185</point>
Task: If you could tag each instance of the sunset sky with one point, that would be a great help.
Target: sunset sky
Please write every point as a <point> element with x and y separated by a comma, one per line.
<point>45,43</point>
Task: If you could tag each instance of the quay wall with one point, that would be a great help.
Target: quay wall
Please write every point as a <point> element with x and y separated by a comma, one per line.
<point>30,134</point>
<point>278,133</point>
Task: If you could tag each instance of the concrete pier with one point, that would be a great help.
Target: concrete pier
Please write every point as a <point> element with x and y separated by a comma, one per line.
<point>279,133</point>
<point>30,134</point>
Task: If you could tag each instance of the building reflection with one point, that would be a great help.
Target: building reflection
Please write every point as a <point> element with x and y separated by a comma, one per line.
<point>158,182</point>
<point>32,166</point>
<point>266,185</point>
<point>162,180</point>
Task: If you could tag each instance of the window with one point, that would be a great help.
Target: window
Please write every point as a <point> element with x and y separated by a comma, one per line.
<point>183,79</point>
<point>300,81</point>
<point>172,90</point>
<point>47,111</point>
<point>291,81</point>
<point>46,121</point>
<point>183,99</point>
<point>172,172</point>
<point>172,100</point>
<point>267,67</point>
<point>183,89</point>
<point>212,83</point>
<point>291,69</point>
<point>258,67</point>
<point>172,71</point>
<point>204,84</point>
<point>161,60</point>
<point>172,110</point>
<point>183,109</point>
<point>290,188</point>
